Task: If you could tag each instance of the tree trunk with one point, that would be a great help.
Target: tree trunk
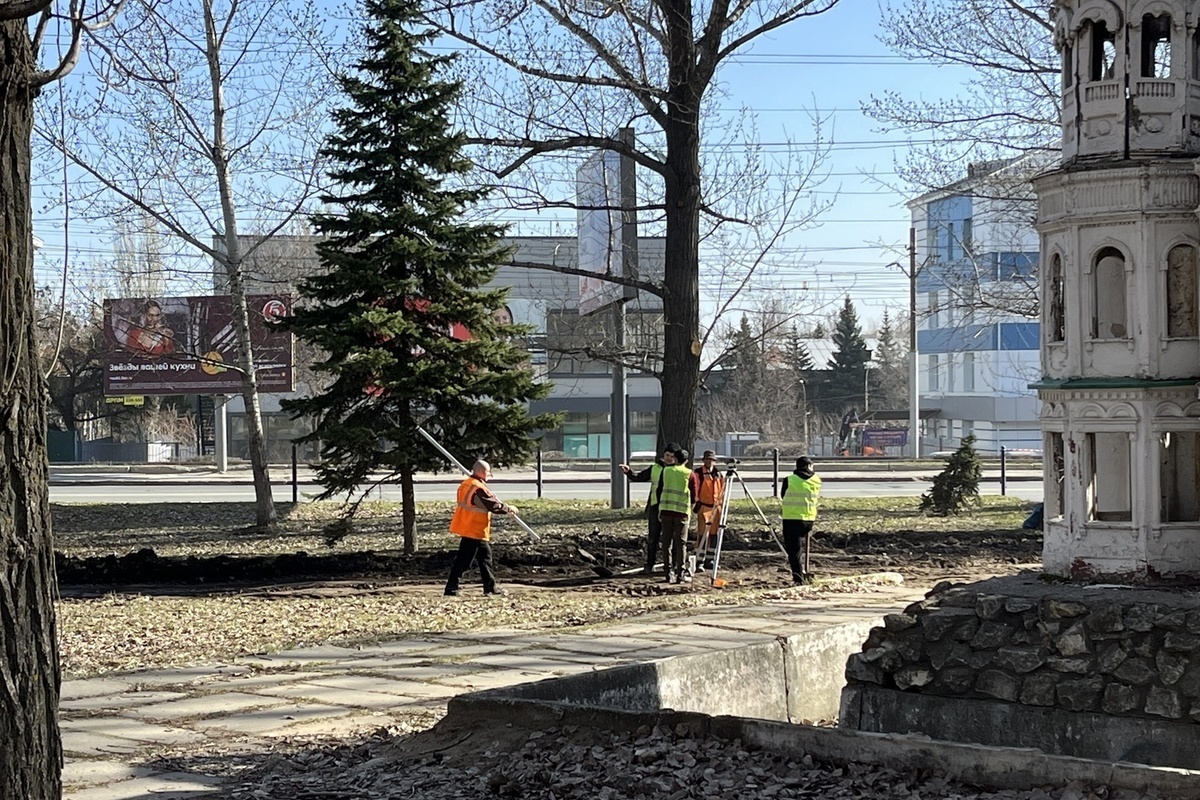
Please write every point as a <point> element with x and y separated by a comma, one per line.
<point>30,747</point>
<point>681,280</point>
<point>264,503</point>
<point>408,500</point>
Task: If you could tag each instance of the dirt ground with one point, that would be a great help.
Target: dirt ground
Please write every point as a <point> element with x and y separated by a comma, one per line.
<point>749,560</point>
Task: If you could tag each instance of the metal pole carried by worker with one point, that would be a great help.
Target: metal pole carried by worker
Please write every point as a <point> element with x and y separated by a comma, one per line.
<point>437,445</point>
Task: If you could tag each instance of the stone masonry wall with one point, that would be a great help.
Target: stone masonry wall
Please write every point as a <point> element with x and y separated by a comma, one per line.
<point>1110,651</point>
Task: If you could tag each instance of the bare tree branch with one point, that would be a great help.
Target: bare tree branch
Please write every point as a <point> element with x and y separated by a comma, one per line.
<point>645,286</point>
<point>10,11</point>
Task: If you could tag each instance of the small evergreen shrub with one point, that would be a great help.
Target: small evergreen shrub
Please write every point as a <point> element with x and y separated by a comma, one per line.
<point>957,486</point>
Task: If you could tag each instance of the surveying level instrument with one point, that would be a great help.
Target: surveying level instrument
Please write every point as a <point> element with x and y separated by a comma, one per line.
<point>732,474</point>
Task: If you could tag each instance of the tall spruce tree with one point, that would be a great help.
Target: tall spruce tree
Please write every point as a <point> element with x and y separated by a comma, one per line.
<point>400,308</point>
<point>845,386</point>
<point>891,370</point>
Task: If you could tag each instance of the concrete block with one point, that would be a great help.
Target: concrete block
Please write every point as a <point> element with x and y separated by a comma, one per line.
<point>200,706</point>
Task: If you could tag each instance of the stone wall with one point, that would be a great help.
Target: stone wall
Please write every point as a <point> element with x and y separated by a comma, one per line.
<point>1030,664</point>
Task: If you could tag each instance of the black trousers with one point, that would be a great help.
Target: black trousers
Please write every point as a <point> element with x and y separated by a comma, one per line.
<point>479,551</point>
<point>795,534</point>
<point>655,535</point>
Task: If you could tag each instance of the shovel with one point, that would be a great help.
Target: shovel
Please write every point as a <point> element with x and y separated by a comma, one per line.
<point>597,567</point>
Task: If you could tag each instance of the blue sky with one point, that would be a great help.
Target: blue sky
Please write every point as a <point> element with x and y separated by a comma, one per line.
<point>831,63</point>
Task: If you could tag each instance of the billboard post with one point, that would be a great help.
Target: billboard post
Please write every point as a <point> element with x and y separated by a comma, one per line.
<point>606,190</point>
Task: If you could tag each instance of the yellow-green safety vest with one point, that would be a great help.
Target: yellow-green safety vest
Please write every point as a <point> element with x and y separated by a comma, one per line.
<point>800,502</point>
<point>675,496</point>
<point>655,471</point>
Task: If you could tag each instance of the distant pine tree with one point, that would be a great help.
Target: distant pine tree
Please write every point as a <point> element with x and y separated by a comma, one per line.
<point>795,351</point>
<point>400,309</point>
<point>956,487</point>
<point>845,385</point>
<point>891,369</point>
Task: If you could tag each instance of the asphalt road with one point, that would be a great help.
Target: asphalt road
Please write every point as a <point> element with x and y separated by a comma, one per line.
<point>111,489</point>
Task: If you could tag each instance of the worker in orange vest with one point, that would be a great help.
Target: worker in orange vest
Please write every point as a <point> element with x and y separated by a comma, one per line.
<point>472,521</point>
<point>708,487</point>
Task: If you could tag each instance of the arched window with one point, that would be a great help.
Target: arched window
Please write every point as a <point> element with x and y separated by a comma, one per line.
<point>1068,66</point>
<point>1055,311</point>
<point>1156,46</point>
<point>1103,54</point>
<point>1181,292</point>
<point>1108,292</point>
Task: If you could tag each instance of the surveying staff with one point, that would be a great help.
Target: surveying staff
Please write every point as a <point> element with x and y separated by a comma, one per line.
<point>651,474</point>
<point>675,501</point>
<point>472,521</point>
<point>800,494</point>
<point>708,487</point>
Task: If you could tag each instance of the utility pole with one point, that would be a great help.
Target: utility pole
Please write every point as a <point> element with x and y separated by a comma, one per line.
<point>914,369</point>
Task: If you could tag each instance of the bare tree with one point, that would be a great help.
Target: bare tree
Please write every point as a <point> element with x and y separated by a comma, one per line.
<point>221,106</point>
<point>1011,105</point>
<point>30,744</point>
<point>1005,123</point>
<point>551,77</point>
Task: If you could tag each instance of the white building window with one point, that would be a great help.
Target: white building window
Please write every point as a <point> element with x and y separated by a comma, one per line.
<point>1058,473</point>
<point>935,381</point>
<point>1055,307</point>
<point>968,362</point>
<point>1179,477</point>
<point>1108,293</point>
<point>933,314</point>
<point>1156,46</point>
<point>1108,487</point>
<point>1181,292</point>
<point>950,382</point>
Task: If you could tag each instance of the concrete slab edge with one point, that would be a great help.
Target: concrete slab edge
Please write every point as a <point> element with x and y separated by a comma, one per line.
<point>991,767</point>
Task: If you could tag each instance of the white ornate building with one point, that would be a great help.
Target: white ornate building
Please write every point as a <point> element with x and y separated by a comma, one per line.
<point>1120,343</point>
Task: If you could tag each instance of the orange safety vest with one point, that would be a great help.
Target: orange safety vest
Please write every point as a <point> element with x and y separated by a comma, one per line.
<point>469,520</point>
<point>712,487</point>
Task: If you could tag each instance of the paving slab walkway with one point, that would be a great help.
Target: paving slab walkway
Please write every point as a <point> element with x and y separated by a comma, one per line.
<point>115,728</point>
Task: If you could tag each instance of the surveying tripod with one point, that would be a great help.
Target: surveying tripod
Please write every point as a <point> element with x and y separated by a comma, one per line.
<point>732,474</point>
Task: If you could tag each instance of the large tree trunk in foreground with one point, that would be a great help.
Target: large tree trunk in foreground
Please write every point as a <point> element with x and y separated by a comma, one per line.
<point>681,276</point>
<point>30,747</point>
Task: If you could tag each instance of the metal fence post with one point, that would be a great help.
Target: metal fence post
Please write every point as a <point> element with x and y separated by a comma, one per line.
<point>1003,471</point>
<point>295,476</point>
<point>539,471</point>
<point>775,472</point>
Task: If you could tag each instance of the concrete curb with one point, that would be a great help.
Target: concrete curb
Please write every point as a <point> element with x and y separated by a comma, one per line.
<point>993,767</point>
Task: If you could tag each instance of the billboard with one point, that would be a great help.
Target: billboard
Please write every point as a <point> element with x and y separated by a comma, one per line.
<point>598,193</point>
<point>883,438</point>
<point>186,345</point>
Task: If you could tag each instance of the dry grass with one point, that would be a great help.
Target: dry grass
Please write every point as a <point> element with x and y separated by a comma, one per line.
<point>124,631</point>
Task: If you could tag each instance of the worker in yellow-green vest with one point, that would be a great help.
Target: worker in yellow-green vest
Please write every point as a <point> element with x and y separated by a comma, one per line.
<point>652,474</point>
<point>675,500</point>
<point>801,492</point>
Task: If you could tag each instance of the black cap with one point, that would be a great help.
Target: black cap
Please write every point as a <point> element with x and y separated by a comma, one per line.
<point>672,447</point>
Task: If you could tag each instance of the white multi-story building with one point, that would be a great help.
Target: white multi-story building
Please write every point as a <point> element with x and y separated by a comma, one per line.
<point>562,348</point>
<point>977,258</point>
